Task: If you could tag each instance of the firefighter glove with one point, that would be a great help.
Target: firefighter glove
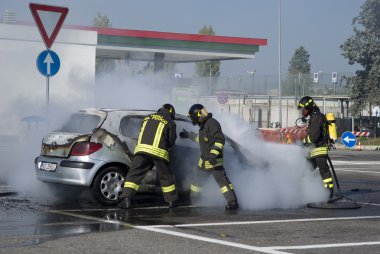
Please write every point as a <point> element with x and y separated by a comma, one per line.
<point>185,134</point>
<point>213,159</point>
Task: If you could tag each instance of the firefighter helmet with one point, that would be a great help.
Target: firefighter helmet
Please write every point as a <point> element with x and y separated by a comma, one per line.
<point>170,108</point>
<point>196,113</point>
<point>307,105</point>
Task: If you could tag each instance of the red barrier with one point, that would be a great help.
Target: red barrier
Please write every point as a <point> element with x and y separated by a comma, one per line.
<point>288,135</point>
<point>361,133</point>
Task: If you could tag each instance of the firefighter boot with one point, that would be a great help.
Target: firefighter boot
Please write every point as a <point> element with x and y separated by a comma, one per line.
<point>126,204</point>
<point>331,190</point>
<point>232,205</point>
<point>173,204</point>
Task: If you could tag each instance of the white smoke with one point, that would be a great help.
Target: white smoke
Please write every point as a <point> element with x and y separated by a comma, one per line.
<point>281,178</point>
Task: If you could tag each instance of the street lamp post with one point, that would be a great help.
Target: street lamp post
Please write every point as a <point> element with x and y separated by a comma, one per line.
<point>252,72</point>
<point>279,66</point>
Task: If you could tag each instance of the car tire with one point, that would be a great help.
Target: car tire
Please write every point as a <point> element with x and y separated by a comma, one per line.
<point>108,185</point>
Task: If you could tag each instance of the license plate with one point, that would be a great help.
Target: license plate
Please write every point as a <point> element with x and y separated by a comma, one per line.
<point>48,166</point>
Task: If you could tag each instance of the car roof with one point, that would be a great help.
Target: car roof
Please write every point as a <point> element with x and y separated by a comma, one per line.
<point>141,112</point>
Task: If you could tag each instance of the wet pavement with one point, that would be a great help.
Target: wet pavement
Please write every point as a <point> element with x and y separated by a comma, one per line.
<point>43,225</point>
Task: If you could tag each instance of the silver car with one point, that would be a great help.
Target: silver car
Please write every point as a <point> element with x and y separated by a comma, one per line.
<point>94,150</point>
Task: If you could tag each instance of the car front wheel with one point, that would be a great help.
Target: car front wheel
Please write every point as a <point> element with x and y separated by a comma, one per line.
<point>107,186</point>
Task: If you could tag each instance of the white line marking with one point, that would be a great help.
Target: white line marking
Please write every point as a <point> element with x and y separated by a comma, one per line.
<point>211,240</point>
<point>179,234</point>
<point>356,162</point>
<point>266,222</point>
<point>316,246</point>
<point>358,171</point>
<point>363,203</point>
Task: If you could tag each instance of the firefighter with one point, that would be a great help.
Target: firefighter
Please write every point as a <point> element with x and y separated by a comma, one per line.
<point>211,141</point>
<point>318,139</point>
<point>157,135</point>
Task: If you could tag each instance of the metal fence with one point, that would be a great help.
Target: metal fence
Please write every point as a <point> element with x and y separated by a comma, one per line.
<point>291,85</point>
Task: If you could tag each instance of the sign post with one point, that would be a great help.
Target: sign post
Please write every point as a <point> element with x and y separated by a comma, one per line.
<point>49,20</point>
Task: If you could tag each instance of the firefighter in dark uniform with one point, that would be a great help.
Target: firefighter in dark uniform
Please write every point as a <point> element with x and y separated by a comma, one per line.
<point>157,135</point>
<point>211,141</point>
<point>318,138</point>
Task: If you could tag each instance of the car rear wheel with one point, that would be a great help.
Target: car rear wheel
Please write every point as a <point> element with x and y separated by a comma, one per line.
<point>108,185</point>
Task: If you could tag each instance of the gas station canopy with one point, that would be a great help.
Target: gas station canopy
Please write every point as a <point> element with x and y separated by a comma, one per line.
<point>154,46</point>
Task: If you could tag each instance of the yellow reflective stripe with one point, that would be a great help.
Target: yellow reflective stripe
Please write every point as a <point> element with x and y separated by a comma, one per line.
<point>131,185</point>
<point>231,186</point>
<point>200,162</point>
<point>197,139</point>
<point>329,185</point>
<point>327,180</point>
<point>216,152</point>
<point>168,188</point>
<point>319,151</point>
<point>301,105</point>
<point>141,132</point>
<point>307,103</point>
<point>224,189</point>
<point>158,134</point>
<point>162,153</point>
<point>308,139</point>
<point>219,162</point>
<point>220,145</point>
<point>195,188</point>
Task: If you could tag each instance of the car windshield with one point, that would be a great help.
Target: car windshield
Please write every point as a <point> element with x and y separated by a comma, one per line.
<point>81,123</point>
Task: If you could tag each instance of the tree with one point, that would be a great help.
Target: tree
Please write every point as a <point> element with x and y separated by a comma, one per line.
<point>101,21</point>
<point>363,48</point>
<point>299,62</point>
<point>298,72</point>
<point>207,68</point>
<point>103,65</point>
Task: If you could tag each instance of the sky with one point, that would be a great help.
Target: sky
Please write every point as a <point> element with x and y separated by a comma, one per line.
<point>320,26</point>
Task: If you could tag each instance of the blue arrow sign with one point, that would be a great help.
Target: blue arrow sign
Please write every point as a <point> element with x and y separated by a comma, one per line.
<point>48,63</point>
<point>348,139</point>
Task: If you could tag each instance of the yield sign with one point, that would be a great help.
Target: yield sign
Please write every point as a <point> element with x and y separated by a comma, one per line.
<point>49,20</point>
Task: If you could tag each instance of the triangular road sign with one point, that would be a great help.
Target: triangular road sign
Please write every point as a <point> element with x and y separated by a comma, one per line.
<point>49,20</point>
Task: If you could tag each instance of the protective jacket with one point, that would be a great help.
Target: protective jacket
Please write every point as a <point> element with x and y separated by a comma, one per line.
<point>211,141</point>
<point>318,134</point>
<point>157,135</point>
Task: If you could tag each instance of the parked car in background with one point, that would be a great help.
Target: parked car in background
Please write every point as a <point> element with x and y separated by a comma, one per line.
<point>94,150</point>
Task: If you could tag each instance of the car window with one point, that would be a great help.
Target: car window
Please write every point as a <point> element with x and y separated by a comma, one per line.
<point>81,123</point>
<point>130,126</point>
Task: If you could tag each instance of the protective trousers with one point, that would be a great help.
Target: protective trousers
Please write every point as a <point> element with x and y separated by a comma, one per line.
<point>324,170</point>
<point>140,166</point>
<point>219,174</point>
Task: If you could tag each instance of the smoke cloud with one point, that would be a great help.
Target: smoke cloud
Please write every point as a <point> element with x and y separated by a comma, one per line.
<point>281,178</point>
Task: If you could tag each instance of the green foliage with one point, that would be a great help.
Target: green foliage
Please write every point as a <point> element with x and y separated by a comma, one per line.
<point>364,48</point>
<point>299,62</point>
<point>298,73</point>
<point>207,68</point>
<point>101,21</point>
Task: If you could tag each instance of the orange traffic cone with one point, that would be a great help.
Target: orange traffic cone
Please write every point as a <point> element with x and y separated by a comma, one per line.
<point>359,147</point>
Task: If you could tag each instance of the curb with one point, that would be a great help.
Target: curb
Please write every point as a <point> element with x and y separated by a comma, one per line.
<point>364,148</point>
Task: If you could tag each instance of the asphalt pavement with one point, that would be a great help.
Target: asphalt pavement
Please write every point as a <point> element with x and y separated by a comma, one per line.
<point>51,225</point>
